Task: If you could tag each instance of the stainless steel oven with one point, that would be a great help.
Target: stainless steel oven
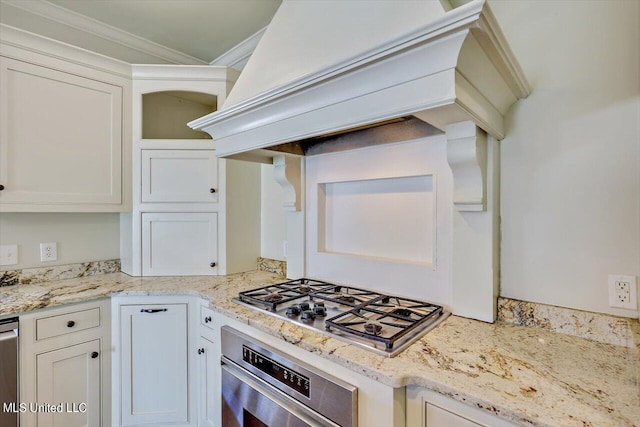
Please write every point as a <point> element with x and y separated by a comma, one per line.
<point>261,386</point>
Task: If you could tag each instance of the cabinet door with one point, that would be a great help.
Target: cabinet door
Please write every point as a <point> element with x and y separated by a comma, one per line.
<point>179,244</point>
<point>154,368</point>
<point>208,385</point>
<point>60,139</point>
<point>71,377</point>
<point>179,176</point>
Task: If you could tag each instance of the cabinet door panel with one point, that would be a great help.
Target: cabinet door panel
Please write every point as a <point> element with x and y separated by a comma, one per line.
<point>208,385</point>
<point>154,364</point>
<point>61,137</point>
<point>179,176</point>
<point>179,243</point>
<point>69,376</point>
<point>438,417</point>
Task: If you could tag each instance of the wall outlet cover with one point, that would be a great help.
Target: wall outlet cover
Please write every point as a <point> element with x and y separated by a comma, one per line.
<point>623,291</point>
<point>48,252</point>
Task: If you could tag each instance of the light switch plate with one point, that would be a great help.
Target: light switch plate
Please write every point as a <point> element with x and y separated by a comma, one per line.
<point>8,254</point>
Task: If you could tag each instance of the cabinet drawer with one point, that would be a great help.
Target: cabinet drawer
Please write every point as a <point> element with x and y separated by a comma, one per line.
<point>438,417</point>
<point>68,323</point>
<point>206,317</point>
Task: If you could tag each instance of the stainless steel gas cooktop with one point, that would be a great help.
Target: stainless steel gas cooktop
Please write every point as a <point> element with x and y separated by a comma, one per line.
<point>383,323</point>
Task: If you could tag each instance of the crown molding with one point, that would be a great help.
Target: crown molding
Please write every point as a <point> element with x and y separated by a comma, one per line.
<point>25,41</point>
<point>107,32</point>
<point>184,73</point>
<point>240,52</point>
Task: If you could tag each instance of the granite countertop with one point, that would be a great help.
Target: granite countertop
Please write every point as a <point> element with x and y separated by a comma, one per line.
<point>528,375</point>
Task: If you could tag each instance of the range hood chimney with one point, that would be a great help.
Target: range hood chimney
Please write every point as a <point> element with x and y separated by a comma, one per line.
<point>335,75</point>
<point>330,66</point>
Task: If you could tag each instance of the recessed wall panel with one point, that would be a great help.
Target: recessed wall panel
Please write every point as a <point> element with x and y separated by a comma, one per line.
<point>389,219</point>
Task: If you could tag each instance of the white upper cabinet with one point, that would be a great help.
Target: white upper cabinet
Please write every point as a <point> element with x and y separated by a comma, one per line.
<point>63,139</point>
<point>192,213</point>
<point>186,176</point>
<point>179,243</point>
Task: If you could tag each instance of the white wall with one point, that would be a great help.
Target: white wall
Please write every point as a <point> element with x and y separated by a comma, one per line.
<point>81,237</point>
<point>570,162</point>
<point>272,221</point>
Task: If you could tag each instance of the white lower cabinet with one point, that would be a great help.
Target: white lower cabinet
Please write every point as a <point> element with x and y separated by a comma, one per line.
<point>154,377</point>
<point>209,366</point>
<point>426,408</point>
<point>69,369</point>
<point>184,243</point>
<point>72,377</point>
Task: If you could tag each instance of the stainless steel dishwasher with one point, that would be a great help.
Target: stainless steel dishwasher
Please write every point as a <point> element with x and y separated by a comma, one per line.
<point>9,372</point>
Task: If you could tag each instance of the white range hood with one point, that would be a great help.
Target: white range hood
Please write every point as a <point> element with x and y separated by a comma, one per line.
<point>412,70</point>
<point>329,66</point>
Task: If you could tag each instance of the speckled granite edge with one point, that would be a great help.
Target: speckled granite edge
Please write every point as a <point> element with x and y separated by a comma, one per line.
<point>272,266</point>
<point>598,327</point>
<point>28,276</point>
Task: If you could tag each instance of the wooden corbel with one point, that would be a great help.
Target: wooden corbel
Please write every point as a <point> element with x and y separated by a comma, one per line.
<point>467,157</point>
<point>287,174</point>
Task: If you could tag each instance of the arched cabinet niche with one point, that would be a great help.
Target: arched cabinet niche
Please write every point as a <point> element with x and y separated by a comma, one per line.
<point>165,114</point>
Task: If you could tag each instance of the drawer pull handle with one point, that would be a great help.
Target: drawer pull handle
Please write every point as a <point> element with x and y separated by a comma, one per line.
<point>71,324</point>
<point>213,264</point>
<point>152,310</point>
<point>94,355</point>
<point>212,190</point>
<point>207,319</point>
<point>1,187</point>
<point>201,351</point>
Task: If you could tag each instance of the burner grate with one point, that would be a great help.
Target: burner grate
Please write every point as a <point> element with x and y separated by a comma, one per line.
<point>386,319</point>
<point>271,295</point>
<point>346,295</point>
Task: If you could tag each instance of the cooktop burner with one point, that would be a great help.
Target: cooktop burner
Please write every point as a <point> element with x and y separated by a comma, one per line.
<point>383,323</point>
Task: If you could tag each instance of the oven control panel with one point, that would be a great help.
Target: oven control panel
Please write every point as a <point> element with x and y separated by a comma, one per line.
<point>284,375</point>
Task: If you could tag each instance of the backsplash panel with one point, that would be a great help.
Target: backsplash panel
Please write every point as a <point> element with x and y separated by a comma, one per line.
<point>10,277</point>
<point>58,272</point>
<point>272,266</point>
<point>584,324</point>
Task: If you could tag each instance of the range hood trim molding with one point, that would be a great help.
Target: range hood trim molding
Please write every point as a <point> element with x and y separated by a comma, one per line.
<point>249,125</point>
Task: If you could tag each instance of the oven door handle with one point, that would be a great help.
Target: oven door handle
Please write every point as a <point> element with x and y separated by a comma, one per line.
<point>279,398</point>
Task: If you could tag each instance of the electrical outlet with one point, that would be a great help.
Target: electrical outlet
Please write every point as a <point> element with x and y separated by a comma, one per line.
<point>48,252</point>
<point>8,254</point>
<point>623,292</point>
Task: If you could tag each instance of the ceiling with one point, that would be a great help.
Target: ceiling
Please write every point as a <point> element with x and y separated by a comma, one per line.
<point>202,29</point>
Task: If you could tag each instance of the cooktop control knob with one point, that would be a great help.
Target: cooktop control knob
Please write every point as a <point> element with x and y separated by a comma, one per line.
<point>303,306</point>
<point>319,310</point>
<point>307,316</point>
<point>293,311</point>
